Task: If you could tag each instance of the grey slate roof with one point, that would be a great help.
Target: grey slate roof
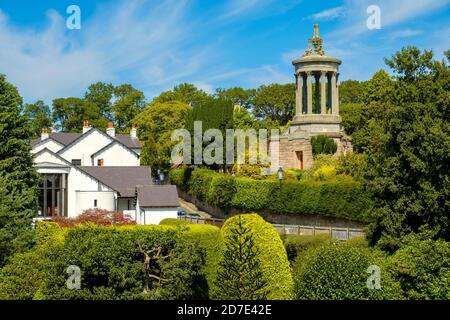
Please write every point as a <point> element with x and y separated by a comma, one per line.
<point>66,138</point>
<point>122,179</point>
<point>158,196</point>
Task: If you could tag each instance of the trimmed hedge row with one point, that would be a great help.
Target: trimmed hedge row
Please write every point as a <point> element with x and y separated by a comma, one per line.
<point>341,198</point>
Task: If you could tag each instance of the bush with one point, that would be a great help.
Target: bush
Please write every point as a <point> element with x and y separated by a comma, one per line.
<point>21,278</point>
<point>323,144</point>
<point>422,266</point>
<point>208,238</point>
<point>338,271</point>
<point>96,216</point>
<point>253,195</point>
<point>173,222</point>
<point>271,254</point>
<point>341,197</point>
<point>325,173</point>
<point>297,245</point>
<point>221,191</point>
<point>127,262</point>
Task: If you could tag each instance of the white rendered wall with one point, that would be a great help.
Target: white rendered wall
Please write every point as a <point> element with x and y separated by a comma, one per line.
<point>87,146</point>
<point>156,215</point>
<point>49,144</point>
<point>85,200</point>
<point>117,155</point>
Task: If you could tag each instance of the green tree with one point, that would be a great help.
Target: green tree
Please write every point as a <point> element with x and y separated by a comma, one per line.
<point>243,119</point>
<point>129,103</point>
<point>69,114</point>
<point>351,91</point>
<point>238,96</point>
<point>101,94</point>
<point>323,144</point>
<point>275,102</point>
<point>39,116</point>
<point>240,275</point>
<point>18,178</point>
<point>408,151</point>
<point>155,126</point>
<point>186,93</point>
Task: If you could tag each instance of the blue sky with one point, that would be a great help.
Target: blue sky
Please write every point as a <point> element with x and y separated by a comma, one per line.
<point>155,45</point>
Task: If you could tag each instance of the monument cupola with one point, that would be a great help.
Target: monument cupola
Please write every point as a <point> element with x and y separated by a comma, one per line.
<point>317,93</point>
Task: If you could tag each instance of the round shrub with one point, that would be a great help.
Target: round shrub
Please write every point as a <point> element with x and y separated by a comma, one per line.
<point>338,271</point>
<point>323,144</point>
<point>271,255</point>
<point>296,245</point>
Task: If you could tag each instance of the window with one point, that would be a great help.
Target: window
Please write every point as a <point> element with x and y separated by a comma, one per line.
<point>100,162</point>
<point>76,162</point>
<point>52,200</point>
<point>95,203</point>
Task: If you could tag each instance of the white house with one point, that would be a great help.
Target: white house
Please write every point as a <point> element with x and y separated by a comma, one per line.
<point>100,170</point>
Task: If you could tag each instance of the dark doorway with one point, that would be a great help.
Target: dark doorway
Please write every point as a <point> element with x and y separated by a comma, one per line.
<point>299,155</point>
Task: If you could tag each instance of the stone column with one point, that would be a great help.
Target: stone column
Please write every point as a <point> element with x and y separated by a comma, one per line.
<point>323,93</point>
<point>337,98</point>
<point>309,92</point>
<point>299,95</point>
<point>333,93</point>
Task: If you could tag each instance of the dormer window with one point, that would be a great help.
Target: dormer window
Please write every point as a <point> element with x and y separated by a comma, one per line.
<point>76,162</point>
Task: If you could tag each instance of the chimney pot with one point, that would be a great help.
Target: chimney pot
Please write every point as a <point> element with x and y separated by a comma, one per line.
<point>110,131</point>
<point>86,126</point>
<point>44,134</point>
<point>133,133</point>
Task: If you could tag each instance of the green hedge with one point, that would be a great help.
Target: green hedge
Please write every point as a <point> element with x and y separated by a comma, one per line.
<point>339,271</point>
<point>338,198</point>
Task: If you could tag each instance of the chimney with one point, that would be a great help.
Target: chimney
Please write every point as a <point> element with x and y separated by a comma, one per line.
<point>86,126</point>
<point>133,133</point>
<point>44,134</point>
<point>110,131</point>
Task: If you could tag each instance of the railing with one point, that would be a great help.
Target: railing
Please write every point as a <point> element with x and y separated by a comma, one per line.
<point>335,232</point>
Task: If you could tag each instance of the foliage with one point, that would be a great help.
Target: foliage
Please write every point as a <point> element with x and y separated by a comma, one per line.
<point>21,278</point>
<point>69,114</point>
<point>128,262</point>
<point>186,93</point>
<point>323,144</point>
<point>238,96</point>
<point>297,245</point>
<point>326,172</point>
<point>129,102</point>
<point>173,222</point>
<point>154,127</point>
<point>408,153</point>
<point>343,197</point>
<point>39,116</point>
<point>351,91</point>
<point>221,191</point>
<point>338,271</point>
<point>422,266</point>
<point>240,274</point>
<point>352,164</point>
<point>101,94</point>
<point>18,178</point>
<point>269,250</point>
<point>98,217</point>
<point>275,102</point>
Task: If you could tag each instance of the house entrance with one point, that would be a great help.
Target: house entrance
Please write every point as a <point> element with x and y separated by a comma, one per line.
<point>299,155</point>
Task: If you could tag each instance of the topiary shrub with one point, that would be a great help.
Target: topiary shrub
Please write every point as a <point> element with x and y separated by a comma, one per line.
<point>273,270</point>
<point>338,271</point>
<point>297,245</point>
<point>323,144</point>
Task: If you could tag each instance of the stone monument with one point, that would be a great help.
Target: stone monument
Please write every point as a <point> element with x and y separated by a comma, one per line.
<point>316,107</point>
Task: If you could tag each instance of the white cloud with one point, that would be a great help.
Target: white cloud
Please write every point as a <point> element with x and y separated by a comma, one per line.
<point>328,14</point>
<point>133,42</point>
